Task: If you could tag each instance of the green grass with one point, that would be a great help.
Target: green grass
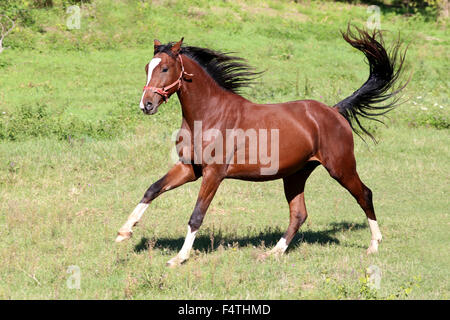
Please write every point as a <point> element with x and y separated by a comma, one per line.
<point>98,70</point>
<point>76,155</point>
<point>63,204</point>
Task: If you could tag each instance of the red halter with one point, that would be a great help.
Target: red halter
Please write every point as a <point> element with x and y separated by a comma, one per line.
<point>164,91</point>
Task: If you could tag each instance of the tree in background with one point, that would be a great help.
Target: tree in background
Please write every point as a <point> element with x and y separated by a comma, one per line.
<point>441,6</point>
<point>6,25</point>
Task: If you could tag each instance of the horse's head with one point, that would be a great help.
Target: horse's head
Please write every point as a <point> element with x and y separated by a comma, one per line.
<point>164,76</point>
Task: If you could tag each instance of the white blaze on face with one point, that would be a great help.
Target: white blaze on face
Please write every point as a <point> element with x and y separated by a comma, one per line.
<point>151,65</point>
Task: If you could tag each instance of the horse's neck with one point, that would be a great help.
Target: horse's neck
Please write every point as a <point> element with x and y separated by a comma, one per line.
<point>201,98</point>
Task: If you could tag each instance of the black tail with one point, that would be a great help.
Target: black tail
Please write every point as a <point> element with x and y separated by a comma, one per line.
<point>384,71</point>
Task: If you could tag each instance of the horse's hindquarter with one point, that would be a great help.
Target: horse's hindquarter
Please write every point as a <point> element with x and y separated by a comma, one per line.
<point>295,138</point>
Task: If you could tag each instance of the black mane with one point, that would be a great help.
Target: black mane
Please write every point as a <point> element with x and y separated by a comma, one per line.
<point>230,72</point>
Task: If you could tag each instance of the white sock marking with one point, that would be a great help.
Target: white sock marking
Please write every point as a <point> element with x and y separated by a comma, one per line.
<point>151,65</point>
<point>139,211</point>
<point>374,229</point>
<point>188,242</point>
<point>281,245</point>
<point>135,216</point>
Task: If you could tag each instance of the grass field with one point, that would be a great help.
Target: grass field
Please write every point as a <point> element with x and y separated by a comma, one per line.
<point>77,154</point>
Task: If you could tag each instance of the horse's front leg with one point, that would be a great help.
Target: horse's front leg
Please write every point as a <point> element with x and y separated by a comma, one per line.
<point>178,175</point>
<point>210,184</point>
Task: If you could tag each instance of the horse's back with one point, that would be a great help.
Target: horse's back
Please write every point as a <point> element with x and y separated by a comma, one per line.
<point>334,134</point>
<point>324,124</point>
<point>324,131</point>
<point>305,130</point>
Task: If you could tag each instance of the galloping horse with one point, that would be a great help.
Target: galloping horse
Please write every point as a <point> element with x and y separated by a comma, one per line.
<point>304,133</point>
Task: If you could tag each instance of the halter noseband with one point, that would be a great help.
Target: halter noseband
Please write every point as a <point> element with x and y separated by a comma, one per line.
<point>164,91</point>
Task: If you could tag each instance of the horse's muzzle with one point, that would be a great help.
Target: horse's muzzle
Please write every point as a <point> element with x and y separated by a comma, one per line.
<point>150,108</point>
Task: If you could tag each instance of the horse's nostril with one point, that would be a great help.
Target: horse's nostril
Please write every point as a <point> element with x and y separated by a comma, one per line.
<point>149,105</point>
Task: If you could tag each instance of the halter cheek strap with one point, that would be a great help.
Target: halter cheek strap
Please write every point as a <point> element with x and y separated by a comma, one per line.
<point>164,91</point>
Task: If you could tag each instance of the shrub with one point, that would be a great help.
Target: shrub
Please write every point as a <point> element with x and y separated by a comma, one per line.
<point>38,121</point>
<point>22,10</point>
<point>437,121</point>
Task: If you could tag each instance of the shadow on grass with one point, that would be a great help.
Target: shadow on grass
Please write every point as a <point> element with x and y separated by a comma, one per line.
<point>401,7</point>
<point>210,240</point>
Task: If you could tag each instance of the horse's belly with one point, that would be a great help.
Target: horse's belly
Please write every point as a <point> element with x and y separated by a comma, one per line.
<point>274,158</point>
<point>276,168</point>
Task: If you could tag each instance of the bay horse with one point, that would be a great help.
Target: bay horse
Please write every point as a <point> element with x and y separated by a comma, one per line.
<point>308,133</point>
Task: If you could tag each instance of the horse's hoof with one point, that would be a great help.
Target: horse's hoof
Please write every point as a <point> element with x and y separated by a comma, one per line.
<point>123,236</point>
<point>262,256</point>
<point>272,253</point>
<point>175,262</point>
<point>373,248</point>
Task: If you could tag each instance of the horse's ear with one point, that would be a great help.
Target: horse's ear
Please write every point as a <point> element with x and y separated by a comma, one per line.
<point>156,43</point>
<point>177,46</point>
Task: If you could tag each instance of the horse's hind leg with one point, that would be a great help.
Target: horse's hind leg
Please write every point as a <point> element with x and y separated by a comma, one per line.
<point>344,171</point>
<point>294,186</point>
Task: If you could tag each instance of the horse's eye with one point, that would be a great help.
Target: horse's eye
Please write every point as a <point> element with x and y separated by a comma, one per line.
<point>165,69</point>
